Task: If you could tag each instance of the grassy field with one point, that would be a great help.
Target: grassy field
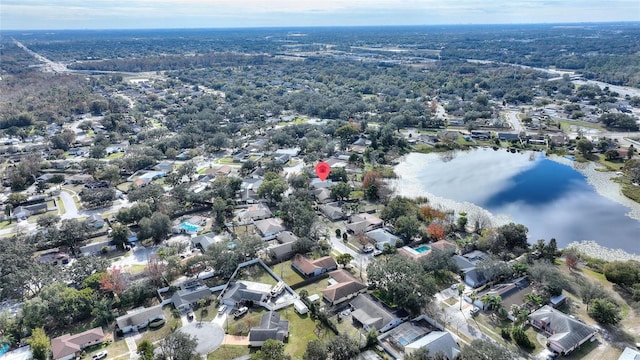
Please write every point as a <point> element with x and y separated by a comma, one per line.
<point>229,352</point>
<point>6,224</point>
<point>315,287</point>
<point>114,349</point>
<point>116,155</point>
<point>286,272</point>
<point>566,124</point>
<point>257,273</point>
<point>225,161</point>
<point>241,326</point>
<point>302,329</point>
<point>210,312</point>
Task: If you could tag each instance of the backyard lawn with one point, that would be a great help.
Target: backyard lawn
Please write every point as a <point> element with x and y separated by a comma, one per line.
<point>257,273</point>
<point>241,326</point>
<point>228,352</point>
<point>302,329</point>
<point>210,312</point>
<point>286,272</point>
<point>315,287</point>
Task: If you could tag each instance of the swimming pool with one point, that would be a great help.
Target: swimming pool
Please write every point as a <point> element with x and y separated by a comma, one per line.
<point>189,226</point>
<point>422,249</point>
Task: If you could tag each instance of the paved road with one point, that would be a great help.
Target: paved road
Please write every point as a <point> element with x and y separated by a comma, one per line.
<point>512,118</point>
<point>70,208</point>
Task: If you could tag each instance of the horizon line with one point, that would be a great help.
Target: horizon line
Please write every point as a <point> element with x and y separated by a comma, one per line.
<point>331,26</point>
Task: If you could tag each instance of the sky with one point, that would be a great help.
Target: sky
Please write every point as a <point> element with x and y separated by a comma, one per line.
<point>129,14</point>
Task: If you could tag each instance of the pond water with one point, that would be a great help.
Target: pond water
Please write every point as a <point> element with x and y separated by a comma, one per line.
<point>551,199</point>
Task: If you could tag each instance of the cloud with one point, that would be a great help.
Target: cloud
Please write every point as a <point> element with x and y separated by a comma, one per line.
<point>175,13</point>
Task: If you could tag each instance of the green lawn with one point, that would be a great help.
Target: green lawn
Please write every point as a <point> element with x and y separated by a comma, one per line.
<point>210,312</point>
<point>257,273</point>
<point>242,325</point>
<point>124,187</point>
<point>114,349</point>
<point>532,334</point>
<point>225,161</point>
<point>302,329</point>
<point>229,352</point>
<point>116,155</point>
<point>6,224</point>
<point>286,272</point>
<point>315,288</point>
<point>159,334</point>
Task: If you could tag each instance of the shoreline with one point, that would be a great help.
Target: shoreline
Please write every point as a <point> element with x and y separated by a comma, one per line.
<point>599,180</point>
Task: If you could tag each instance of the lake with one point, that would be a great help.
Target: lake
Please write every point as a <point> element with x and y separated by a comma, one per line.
<point>549,198</point>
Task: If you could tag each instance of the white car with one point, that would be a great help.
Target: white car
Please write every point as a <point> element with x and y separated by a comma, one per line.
<point>222,309</point>
<point>367,249</point>
<point>99,355</point>
<point>238,313</point>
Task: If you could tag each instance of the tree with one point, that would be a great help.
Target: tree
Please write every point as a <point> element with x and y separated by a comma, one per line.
<point>534,300</point>
<point>401,282</point>
<point>316,350</point>
<point>102,311</point>
<point>157,227</point>
<point>612,155</point>
<point>178,346</point>
<point>436,231</point>
<point>590,291</point>
<point>397,207</point>
<point>571,257</point>
<point>623,273</point>
<point>342,347</point>
<point>271,350</point>
<point>73,231</point>
<point>340,191</point>
<point>461,288</point>
<point>485,350</point>
<point>605,312</point>
<point>48,220</point>
<point>113,281</point>
<point>40,344</point>
<point>120,235</point>
<point>423,353</point>
<point>492,302</point>
<point>407,227</point>
<point>272,189</point>
<point>521,338</point>
<point>585,147</point>
<point>344,259</point>
<point>145,350</point>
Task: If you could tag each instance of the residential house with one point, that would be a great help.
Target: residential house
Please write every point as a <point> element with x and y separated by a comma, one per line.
<point>271,327</point>
<point>564,332</point>
<point>139,318</point>
<point>342,287</point>
<point>95,221</point>
<point>23,212</point>
<point>67,347</point>
<point>467,265</point>
<point>629,354</point>
<point>332,211</point>
<point>380,237</point>
<point>269,228</point>
<point>508,136</point>
<point>185,299</point>
<point>255,212</point>
<point>443,246</point>
<point>511,292</point>
<point>311,268</point>
<point>283,247</point>
<point>54,258</point>
<point>164,166</point>
<point>79,179</point>
<point>436,341</point>
<point>203,241</point>
<point>362,223</point>
<point>322,195</point>
<point>372,314</point>
<point>240,291</point>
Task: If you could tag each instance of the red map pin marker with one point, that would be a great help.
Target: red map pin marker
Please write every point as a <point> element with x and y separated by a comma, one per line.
<point>322,170</point>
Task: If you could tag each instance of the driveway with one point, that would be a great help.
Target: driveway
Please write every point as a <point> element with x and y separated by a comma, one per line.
<point>209,336</point>
<point>70,208</point>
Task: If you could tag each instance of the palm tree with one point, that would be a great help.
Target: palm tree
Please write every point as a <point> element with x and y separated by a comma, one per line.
<point>461,288</point>
<point>493,302</point>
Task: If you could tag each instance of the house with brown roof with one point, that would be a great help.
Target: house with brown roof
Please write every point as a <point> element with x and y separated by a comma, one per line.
<point>311,268</point>
<point>444,246</point>
<point>362,223</point>
<point>67,347</point>
<point>342,287</point>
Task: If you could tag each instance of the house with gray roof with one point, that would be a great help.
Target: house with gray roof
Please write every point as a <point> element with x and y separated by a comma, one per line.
<point>372,314</point>
<point>203,241</point>
<point>363,222</point>
<point>255,212</point>
<point>437,342</point>
<point>185,299</point>
<point>139,318</point>
<point>380,237</point>
<point>564,333</point>
<point>269,228</point>
<point>271,327</point>
<point>332,211</point>
<point>629,354</point>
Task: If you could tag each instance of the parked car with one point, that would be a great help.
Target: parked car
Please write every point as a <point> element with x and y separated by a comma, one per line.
<point>377,253</point>
<point>238,313</point>
<point>99,355</point>
<point>475,311</point>
<point>368,249</point>
<point>190,315</point>
<point>222,309</point>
